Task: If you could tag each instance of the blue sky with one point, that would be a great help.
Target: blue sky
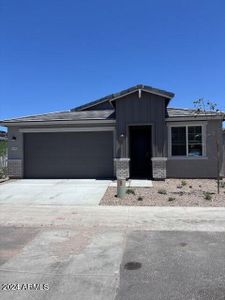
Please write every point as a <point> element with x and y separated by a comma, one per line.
<point>59,54</point>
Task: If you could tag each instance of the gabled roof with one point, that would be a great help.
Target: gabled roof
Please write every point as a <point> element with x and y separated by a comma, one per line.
<point>66,116</point>
<point>172,113</point>
<point>123,93</point>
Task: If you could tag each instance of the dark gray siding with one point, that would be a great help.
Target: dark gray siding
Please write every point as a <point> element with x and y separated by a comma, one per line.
<point>203,167</point>
<point>148,110</point>
<point>101,106</point>
<point>68,155</point>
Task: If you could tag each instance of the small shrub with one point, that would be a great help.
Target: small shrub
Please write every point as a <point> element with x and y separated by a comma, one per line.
<point>200,185</point>
<point>179,187</point>
<point>181,193</point>
<point>162,191</point>
<point>3,173</point>
<point>171,199</point>
<point>207,196</point>
<point>222,184</point>
<point>190,186</point>
<point>140,198</point>
<point>183,182</point>
<point>130,192</point>
<point>3,148</point>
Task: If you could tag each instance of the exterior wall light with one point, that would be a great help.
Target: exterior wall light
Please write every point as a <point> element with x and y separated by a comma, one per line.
<point>122,137</point>
<point>139,93</point>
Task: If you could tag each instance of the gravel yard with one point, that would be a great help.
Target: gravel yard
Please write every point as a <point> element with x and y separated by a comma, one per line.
<point>171,192</point>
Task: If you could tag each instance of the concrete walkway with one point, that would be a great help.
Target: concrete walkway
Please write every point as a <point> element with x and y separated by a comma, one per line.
<point>135,183</point>
<point>53,192</point>
<point>145,218</point>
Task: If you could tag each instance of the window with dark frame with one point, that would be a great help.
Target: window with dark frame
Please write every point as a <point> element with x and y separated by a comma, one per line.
<point>186,141</point>
<point>178,141</point>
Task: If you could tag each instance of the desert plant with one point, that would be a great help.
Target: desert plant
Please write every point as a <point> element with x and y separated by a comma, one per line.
<point>190,186</point>
<point>140,198</point>
<point>179,186</point>
<point>171,199</point>
<point>222,184</point>
<point>207,196</point>
<point>3,173</point>
<point>162,191</point>
<point>3,148</point>
<point>3,166</point>
<point>202,106</point>
<point>181,193</point>
<point>183,182</point>
<point>130,192</point>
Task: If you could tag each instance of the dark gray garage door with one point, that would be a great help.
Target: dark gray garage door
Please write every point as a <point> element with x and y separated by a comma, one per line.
<point>68,155</point>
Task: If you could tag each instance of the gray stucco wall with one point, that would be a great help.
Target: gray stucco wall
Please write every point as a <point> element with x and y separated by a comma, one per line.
<point>15,153</point>
<point>223,163</point>
<point>148,110</point>
<point>16,147</point>
<point>202,167</point>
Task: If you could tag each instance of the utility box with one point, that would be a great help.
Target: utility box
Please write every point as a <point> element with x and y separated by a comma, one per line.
<point>121,188</point>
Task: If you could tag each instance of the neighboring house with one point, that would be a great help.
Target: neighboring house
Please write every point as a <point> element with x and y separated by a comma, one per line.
<point>3,136</point>
<point>132,133</point>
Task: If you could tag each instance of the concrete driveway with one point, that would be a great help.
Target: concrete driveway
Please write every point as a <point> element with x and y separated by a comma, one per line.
<point>54,252</point>
<point>53,192</point>
<point>101,263</point>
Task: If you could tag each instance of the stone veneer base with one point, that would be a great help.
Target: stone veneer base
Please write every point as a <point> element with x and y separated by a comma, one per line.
<point>159,168</point>
<point>122,166</point>
<point>15,168</point>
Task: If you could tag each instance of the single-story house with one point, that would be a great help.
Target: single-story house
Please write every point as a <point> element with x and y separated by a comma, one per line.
<point>132,134</point>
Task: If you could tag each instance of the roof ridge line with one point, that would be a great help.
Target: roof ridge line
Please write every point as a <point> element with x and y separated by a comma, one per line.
<point>122,93</point>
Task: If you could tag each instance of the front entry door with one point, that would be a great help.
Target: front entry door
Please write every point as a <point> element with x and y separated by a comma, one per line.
<point>140,143</point>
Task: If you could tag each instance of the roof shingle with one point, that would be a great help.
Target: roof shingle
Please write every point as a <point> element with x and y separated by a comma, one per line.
<point>187,112</point>
<point>67,116</point>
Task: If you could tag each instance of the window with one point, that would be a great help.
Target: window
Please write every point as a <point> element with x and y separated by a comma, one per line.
<point>194,140</point>
<point>178,141</point>
<point>187,141</point>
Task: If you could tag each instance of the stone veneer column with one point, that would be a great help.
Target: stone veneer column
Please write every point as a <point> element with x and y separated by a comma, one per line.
<point>159,167</point>
<point>122,168</point>
<point>15,168</point>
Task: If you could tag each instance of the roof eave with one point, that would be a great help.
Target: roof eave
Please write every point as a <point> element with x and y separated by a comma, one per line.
<point>144,90</point>
<point>195,118</point>
<point>9,123</point>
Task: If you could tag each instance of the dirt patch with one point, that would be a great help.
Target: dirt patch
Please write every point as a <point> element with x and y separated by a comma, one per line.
<point>75,243</point>
<point>13,240</point>
<point>171,192</point>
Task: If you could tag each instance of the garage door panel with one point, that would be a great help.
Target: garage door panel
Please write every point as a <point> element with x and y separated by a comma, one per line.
<point>68,155</point>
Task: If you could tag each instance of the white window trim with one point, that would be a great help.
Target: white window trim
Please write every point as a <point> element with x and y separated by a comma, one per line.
<point>204,152</point>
